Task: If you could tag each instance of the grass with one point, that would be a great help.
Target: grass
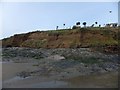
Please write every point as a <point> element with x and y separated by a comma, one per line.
<point>60,32</point>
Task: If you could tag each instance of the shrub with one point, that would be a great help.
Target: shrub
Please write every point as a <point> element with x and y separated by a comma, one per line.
<point>75,27</point>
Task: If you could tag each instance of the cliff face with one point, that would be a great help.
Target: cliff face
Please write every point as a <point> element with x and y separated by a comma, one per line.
<point>75,38</point>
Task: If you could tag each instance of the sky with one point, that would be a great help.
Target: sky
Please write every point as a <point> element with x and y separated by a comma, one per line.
<point>119,13</point>
<point>22,17</point>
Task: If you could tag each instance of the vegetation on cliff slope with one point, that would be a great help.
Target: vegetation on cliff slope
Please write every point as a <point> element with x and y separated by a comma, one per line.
<point>65,38</point>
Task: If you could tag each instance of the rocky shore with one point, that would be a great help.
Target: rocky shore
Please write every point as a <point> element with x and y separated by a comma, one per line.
<point>61,63</point>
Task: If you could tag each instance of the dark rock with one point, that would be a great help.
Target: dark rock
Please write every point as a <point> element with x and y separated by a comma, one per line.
<point>24,74</point>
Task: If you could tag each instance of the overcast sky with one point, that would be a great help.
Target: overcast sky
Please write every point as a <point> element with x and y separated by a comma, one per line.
<point>29,16</point>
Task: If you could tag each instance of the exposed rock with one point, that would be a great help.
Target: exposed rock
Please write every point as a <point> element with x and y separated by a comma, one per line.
<point>56,57</point>
<point>49,61</point>
<point>24,74</point>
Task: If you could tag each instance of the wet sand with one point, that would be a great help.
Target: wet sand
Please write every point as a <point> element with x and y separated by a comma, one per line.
<point>10,70</point>
<point>109,80</point>
<point>10,80</point>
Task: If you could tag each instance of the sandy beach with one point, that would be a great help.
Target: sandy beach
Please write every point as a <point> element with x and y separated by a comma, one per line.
<point>10,80</point>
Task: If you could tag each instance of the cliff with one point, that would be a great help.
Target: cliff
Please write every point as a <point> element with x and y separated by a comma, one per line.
<point>65,38</point>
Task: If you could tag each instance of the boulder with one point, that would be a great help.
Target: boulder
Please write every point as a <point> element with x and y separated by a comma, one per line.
<point>56,57</point>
